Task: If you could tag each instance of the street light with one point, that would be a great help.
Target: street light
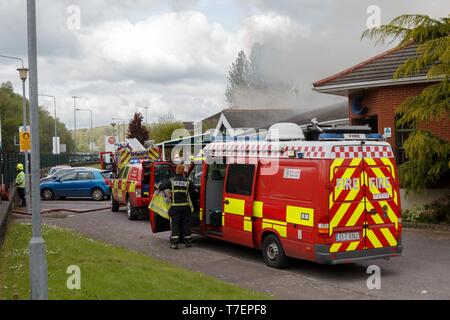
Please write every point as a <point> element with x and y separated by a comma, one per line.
<point>90,142</point>
<point>38,262</point>
<point>54,110</point>
<point>119,122</point>
<point>75,121</point>
<point>146,117</point>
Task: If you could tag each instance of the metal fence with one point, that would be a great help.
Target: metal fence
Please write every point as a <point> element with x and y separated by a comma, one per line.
<point>8,161</point>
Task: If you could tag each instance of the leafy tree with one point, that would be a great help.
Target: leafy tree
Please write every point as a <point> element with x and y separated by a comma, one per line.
<point>164,128</point>
<point>12,119</point>
<point>239,79</point>
<point>136,129</point>
<point>428,155</point>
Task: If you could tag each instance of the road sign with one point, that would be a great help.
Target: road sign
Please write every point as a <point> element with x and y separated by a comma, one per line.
<point>56,145</point>
<point>25,139</point>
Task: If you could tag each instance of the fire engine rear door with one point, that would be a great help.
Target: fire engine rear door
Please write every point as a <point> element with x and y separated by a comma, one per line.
<point>382,211</point>
<point>347,205</point>
<point>238,203</point>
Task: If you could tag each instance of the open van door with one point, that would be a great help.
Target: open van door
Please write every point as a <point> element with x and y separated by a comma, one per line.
<point>238,198</point>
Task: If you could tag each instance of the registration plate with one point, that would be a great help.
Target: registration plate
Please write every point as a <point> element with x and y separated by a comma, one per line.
<point>347,236</point>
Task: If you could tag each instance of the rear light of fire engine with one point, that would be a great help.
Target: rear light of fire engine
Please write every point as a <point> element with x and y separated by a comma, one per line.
<point>323,228</point>
<point>138,192</point>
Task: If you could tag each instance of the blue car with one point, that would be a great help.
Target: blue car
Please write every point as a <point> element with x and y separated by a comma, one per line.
<point>77,184</point>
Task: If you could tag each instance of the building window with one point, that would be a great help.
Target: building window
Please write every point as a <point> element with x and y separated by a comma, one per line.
<point>401,135</point>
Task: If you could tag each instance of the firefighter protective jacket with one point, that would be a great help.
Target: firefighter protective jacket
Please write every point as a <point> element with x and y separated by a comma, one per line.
<point>181,190</point>
<point>20,180</point>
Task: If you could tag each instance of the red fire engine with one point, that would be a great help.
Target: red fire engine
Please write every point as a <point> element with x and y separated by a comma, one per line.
<point>330,197</point>
<point>135,174</point>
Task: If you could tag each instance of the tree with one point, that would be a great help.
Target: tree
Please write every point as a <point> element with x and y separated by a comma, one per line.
<point>239,79</point>
<point>12,119</point>
<point>428,155</point>
<point>136,129</point>
<point>164,128</point>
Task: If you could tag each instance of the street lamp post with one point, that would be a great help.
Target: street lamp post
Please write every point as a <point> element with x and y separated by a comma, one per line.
<point>75,121</point>
<point>90,142</point>
<point>23,73</point>
<point>38,263</point>
<point>54,110</point>
<point>146,116</point>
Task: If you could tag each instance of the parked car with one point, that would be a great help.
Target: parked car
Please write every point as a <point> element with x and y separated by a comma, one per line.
<point>62,172</point>
<point>84,183</point>
<point>55,169</point>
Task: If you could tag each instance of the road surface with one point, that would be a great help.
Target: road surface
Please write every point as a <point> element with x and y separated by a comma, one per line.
<point>421,273</point>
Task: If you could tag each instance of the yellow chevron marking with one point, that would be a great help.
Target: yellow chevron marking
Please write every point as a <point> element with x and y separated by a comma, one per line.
<point>338,216</point>
<point>370,161</point>
<point>375,217</point>
<point>373,239</point>
<point>356,214</point>
<point>335,247</point>
<point>352,246</point>
<point>347,174</point>
<point>387,162</point>
<point>395,197</point>
<point>380,174</point>
<point>355,162</point>
<point>336,163</point>
<point>391,214</point>
<point>389,237</point>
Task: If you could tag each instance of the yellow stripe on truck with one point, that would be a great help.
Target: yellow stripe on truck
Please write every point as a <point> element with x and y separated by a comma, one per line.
<point>234,206</point>
<point>299,215</point>
<point>258,209</point>
<point>389,237</point>
<point>373,239</point>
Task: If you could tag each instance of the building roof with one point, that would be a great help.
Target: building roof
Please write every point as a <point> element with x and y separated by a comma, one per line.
<point>375,71</point>
<point>334,112</point>
<point>250,118</point>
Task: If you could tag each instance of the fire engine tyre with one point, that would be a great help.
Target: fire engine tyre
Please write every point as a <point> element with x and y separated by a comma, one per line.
<point>114,204</point>
<point>97,194</point>
<point>273,252</point>
<point>47,194</point>
<point>131,211</point>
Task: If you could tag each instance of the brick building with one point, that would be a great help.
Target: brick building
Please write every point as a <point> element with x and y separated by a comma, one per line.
<point>374,96</point>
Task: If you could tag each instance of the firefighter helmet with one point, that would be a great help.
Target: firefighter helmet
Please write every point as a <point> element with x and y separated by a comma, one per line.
<point>19,167</point>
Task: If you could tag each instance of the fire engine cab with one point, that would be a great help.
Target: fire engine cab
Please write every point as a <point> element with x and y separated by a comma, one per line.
<point>134,177</point>
<point>325,194</point>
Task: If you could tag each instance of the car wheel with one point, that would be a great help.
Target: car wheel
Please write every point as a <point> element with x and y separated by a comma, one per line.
<point>114,204</point>
<point>131,211</point>
<point>273,252</point>
<point>47,194</point>
<point>97,194</point>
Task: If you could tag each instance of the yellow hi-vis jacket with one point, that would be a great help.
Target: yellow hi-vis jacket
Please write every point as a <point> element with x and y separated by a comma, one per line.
<point>161,203</point>
<point>20,180</point>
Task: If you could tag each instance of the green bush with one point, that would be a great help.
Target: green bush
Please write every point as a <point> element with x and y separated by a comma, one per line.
<point>436,212</point>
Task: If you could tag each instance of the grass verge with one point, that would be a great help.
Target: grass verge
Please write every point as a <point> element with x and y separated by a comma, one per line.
<point>107,272</point>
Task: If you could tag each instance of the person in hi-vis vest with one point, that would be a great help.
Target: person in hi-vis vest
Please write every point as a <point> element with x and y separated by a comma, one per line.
<point>20,184</point>
<point>180,211</point>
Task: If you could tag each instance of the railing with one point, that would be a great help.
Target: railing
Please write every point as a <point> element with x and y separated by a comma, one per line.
<point>9,160</point>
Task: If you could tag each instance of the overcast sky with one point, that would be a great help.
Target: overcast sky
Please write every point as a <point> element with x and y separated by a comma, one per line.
<point>173,56</point>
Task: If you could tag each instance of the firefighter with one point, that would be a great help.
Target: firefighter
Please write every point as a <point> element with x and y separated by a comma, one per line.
<point>20,184</point>
<point>180,210</point>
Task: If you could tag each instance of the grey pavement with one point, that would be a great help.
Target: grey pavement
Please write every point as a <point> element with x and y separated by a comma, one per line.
<point>421,273</point>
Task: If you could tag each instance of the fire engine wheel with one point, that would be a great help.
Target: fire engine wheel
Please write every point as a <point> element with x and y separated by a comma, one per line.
<point>47,194</point>
<point>273,252</point>
<point>97,194</point>
<point>131,211</point>
<point>114,204</point>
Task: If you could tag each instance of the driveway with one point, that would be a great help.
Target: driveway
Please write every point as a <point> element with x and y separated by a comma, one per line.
<point>421,273</point>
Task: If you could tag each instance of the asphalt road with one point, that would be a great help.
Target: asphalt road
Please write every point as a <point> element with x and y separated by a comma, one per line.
<point>421,273</point>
